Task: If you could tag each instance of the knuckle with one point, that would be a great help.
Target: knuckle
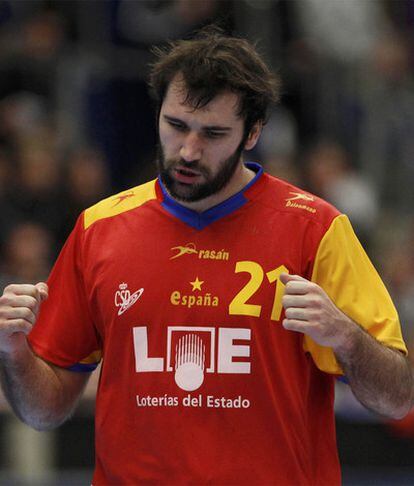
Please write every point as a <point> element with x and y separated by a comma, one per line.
<point>288,286</point>
<point>32,303</point>
<point>316,316</point>
<point>13,288</point>
<point>9,289</point>
<point>313,288</point>
<point>26,313</point>
<point>4,300</point>
<point>4,312</point>
<point>313,300</point>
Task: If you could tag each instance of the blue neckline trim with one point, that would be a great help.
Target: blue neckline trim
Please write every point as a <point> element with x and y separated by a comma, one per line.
<point>201,220</point>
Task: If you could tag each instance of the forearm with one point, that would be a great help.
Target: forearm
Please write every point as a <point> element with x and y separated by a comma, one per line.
<point>381,378</point>
<point>33,390</point>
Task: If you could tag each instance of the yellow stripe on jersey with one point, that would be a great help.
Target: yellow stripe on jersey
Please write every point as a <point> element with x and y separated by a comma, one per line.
<point>124,201</point>
<point>344,271</point>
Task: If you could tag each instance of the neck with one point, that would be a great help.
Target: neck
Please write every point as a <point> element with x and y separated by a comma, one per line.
<point>242,176</point>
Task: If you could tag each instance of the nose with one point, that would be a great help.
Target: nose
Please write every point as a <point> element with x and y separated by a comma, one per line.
<point>191,147</point>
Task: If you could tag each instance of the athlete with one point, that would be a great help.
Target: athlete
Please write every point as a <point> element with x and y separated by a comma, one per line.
<point>222,302</point>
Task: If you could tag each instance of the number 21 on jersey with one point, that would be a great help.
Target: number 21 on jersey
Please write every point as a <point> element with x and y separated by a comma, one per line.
<point>239,306</point>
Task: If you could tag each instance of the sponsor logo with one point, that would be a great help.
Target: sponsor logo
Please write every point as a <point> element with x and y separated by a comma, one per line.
<point>187,249</point>
<point>204,300</point>
<point>190,300</point>
<point>190,249</point>
<point>191,352</point>
<point>299,196</point>
<point>124,299</point>
<point>122,197</point>
<point>209,401</point>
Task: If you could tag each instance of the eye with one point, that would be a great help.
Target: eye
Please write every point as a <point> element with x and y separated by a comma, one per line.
<point>214,134</point>
<point>177,125</point>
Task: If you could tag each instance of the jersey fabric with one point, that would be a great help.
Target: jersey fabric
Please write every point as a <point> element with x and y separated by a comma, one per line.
<point>200,383</point>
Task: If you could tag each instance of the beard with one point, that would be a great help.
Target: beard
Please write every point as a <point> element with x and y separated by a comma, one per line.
<point>213,183</point>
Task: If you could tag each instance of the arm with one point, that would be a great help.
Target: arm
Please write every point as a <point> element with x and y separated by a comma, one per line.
<point>379,376</point>
<point>42,395</point>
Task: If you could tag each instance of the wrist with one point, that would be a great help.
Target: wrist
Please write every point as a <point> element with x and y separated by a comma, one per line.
<point>15,351</point>
<point>350,339</point>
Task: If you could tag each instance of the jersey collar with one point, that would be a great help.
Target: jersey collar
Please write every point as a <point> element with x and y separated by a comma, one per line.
<point>201,220</point>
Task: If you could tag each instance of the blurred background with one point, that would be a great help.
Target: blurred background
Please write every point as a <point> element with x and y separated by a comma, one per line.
<point>77,124</point>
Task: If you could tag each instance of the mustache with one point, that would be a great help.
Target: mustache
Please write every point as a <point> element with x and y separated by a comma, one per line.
<point>183,163</point>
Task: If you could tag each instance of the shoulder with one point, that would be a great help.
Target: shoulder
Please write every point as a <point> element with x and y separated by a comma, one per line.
<point>120,203</point>
<point>287,198</point>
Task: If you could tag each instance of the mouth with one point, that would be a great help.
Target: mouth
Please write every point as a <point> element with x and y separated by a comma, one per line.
<point>186,176</point>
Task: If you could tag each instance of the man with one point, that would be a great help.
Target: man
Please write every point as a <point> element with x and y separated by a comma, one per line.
<point>224,303</point>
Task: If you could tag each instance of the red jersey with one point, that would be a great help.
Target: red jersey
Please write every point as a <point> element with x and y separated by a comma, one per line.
<point>200,383</point>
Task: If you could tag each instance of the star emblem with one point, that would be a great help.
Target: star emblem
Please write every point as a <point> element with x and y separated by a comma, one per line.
<point>197,284</point>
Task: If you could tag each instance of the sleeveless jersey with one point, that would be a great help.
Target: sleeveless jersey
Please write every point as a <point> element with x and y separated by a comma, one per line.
<point>200,383</point>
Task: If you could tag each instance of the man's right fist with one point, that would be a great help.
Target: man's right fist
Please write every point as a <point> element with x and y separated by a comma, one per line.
<point>19,308</point>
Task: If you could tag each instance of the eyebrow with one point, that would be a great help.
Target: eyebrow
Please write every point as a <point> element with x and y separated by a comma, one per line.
<point>216,128</point>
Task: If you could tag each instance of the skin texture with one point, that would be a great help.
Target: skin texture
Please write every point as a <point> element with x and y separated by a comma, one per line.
<point>197,146</point>
<point>380,377</point>
<point>42,395</point>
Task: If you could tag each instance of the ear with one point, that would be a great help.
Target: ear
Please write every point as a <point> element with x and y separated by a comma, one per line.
<point>253,136</point>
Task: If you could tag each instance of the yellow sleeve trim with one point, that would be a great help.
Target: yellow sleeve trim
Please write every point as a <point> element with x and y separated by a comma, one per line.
<point>344,271</point>
<point>124,201</point>
<point>93,358</point>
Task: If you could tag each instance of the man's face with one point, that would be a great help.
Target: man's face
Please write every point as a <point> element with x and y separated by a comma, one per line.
<point>200,150</point>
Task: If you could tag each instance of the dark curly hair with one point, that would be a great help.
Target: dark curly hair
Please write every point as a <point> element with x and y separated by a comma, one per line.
<point>212,62</point>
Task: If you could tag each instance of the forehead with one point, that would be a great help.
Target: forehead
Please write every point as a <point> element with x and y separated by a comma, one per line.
<point>223,108</point>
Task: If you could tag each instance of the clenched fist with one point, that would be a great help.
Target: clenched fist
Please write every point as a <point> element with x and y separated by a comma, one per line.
<point>19,308</point>
<point>309,310</point>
